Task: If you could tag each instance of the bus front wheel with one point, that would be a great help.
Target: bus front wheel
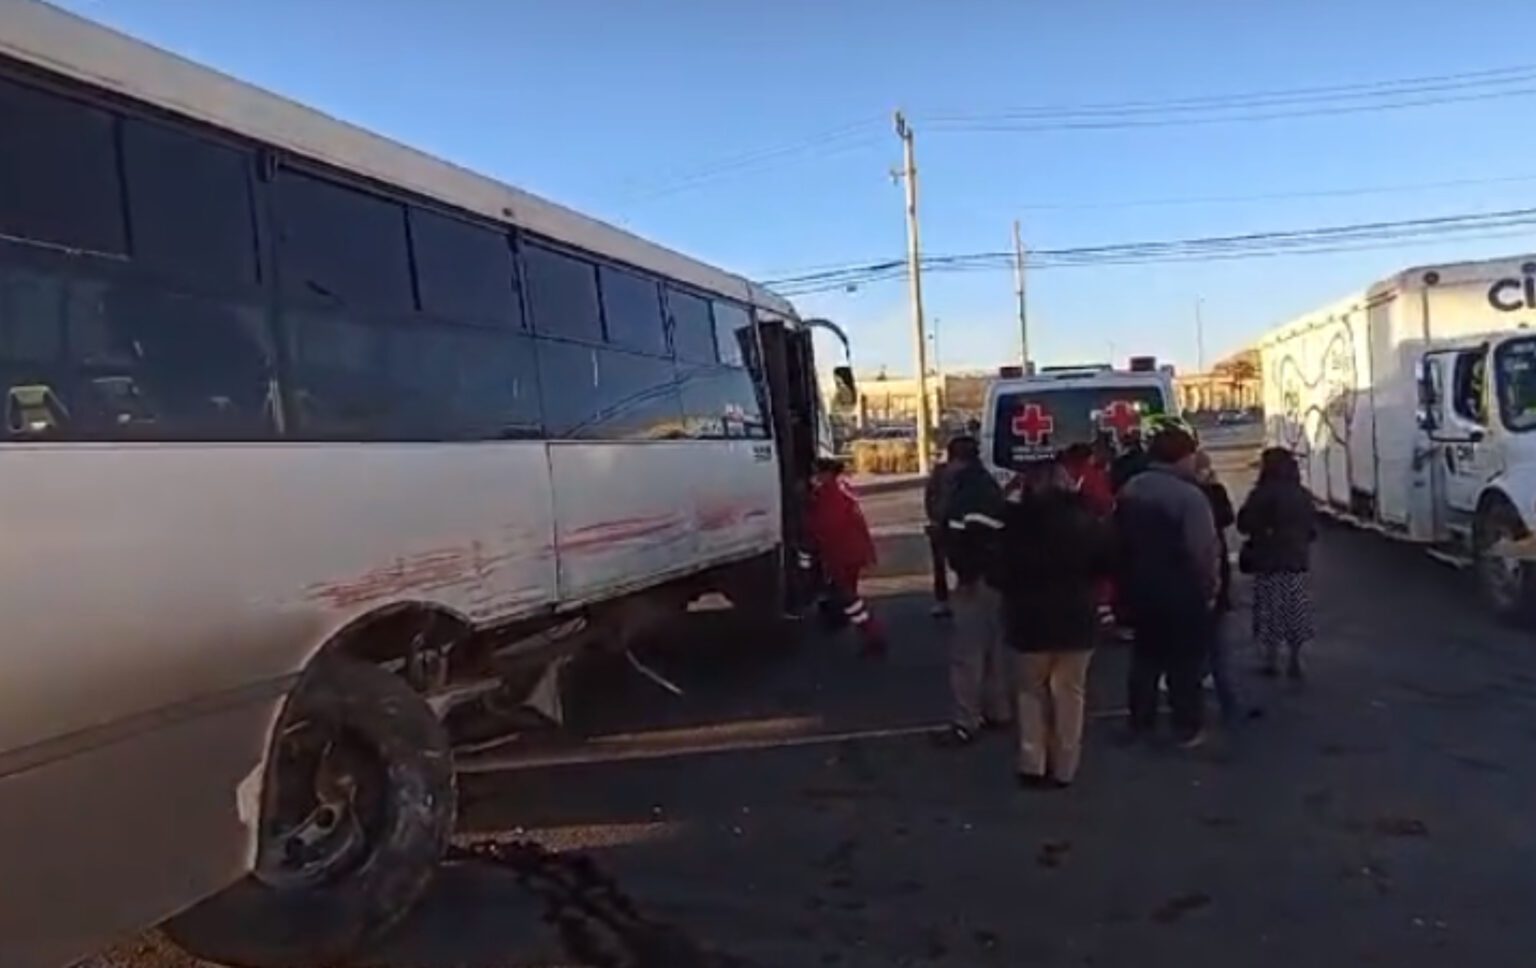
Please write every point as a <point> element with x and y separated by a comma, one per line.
<point>358,814</point>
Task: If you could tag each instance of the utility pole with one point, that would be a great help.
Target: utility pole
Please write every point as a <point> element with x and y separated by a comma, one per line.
<point>1018,289</point>
<point>1199,335</point>
<point>914,254</point>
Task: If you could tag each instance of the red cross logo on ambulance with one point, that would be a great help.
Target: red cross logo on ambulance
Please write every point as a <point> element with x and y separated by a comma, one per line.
<point>1120,417</point>
<point>1033,424</point>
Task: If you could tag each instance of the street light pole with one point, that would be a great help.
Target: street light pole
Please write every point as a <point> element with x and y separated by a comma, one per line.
<point>915,280</point>
<point>1199,335</point>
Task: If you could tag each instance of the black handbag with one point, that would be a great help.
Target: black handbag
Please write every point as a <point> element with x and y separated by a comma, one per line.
<point>1246,556</point>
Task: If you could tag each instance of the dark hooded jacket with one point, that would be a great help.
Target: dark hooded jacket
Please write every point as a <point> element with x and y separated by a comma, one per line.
<point>1278,518</point>
<point>1052,554</point>
<point>1168,547</point>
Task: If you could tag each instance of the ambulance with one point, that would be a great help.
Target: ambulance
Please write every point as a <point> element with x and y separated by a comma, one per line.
<point>1033,416</point>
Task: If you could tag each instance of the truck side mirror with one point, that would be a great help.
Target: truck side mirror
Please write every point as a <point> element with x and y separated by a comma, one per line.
<point>847,393</point>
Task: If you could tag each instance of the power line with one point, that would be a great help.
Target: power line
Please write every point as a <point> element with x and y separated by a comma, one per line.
<point>1350,192</point>
<point>1334,238</point>
<point>1004,126</point>
<point>844,137</point>
<point>1301,95</point>
<point>1289,103</point>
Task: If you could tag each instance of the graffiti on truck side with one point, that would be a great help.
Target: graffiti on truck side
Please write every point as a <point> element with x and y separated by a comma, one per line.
<point>1316,390</point>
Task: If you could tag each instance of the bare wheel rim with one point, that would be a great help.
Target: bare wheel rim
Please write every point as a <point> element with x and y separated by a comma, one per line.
<point>325,810</point>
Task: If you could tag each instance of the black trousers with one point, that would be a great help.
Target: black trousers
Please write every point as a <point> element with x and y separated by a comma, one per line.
<point>1171,647</point>
<point>940,563</point>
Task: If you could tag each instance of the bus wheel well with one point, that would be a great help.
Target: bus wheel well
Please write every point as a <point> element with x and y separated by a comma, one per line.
<point>402,631</point>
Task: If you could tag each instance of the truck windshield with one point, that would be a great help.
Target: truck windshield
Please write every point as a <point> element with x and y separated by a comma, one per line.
<point>1032,423</point>
<point>1516,365</point>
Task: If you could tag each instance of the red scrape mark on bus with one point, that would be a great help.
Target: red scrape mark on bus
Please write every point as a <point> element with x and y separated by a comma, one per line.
<point>426,571</point>
<point>619,531</point>
<point>730,516</point>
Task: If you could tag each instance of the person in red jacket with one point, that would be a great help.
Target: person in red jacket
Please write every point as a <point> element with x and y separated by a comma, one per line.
<point>840,536</point>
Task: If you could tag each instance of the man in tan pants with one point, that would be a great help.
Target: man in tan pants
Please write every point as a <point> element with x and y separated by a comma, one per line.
<point>1053,554</point>
<point>1052,696</point>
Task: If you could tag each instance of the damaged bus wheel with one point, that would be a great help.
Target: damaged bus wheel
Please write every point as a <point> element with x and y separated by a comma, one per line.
<point>358,812</point>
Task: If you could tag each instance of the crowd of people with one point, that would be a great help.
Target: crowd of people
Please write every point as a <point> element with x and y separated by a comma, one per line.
<point>1093,543</point>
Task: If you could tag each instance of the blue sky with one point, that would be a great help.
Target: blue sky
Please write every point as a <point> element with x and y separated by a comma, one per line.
<point>616,107</point>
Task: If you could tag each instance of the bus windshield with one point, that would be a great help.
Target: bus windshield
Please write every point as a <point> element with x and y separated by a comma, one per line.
<point>1032,424</point>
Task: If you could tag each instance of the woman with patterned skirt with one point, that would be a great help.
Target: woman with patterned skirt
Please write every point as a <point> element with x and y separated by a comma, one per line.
<point>1280,524</point>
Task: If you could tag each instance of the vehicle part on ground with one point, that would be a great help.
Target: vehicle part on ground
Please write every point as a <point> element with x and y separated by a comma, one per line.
<point>651,674</point>
<point>598,924</point>
<point>358,809</point>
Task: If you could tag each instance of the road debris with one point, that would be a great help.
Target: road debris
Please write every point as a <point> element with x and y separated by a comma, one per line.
<point>1400,827</point>
<point>1176,907</point>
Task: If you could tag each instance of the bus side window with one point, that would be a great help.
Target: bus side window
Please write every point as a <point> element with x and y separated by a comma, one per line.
<point>59,181</point>
<point>340,246</point>
<point>735,337</point>
<point>693,327</point>
<point>594,393</point>
<point>562,294</point>
<point>32,366</point>
<point>157,364</point>
<point>190,206</point>
<point>465,272</point>
<point>632,311</point>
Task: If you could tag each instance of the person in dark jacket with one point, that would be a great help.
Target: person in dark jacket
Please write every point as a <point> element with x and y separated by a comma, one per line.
<point>1132,461</point>
<point>1053,552</point>
<point>972,511</point>
<point>935,491</point>
<point>1280,525</point>
<point>1168,578</point>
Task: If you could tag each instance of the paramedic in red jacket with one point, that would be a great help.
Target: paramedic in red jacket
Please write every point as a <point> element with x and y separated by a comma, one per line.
<point>1089,478</point>
<point>842,541</point>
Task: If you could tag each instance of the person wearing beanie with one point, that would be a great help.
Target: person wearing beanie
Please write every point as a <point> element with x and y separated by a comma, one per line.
<point>1169,577</point>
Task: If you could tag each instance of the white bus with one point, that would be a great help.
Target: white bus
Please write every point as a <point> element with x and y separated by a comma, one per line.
<point>311,442</point>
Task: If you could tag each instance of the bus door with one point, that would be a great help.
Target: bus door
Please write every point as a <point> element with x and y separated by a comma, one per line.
<point>789,375</point>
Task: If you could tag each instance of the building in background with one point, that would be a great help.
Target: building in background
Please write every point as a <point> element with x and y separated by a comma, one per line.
<point>1233,384</point>
<point>887,405</point>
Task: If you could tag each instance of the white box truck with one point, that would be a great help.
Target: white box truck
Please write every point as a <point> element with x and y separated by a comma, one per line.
<point>1412,409</point>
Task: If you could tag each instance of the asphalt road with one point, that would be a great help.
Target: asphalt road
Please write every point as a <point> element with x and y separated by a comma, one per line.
<point>787,810</point>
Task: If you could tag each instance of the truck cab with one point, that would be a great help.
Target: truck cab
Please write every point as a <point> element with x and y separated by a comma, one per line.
<point>1476,460</point>
<point>1034,416</point>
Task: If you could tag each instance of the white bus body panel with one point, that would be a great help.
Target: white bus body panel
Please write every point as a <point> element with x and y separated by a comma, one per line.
<point>159,601</point>
<point>629,515</point>
<point>1341,386</point>
<point>216,571</point>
